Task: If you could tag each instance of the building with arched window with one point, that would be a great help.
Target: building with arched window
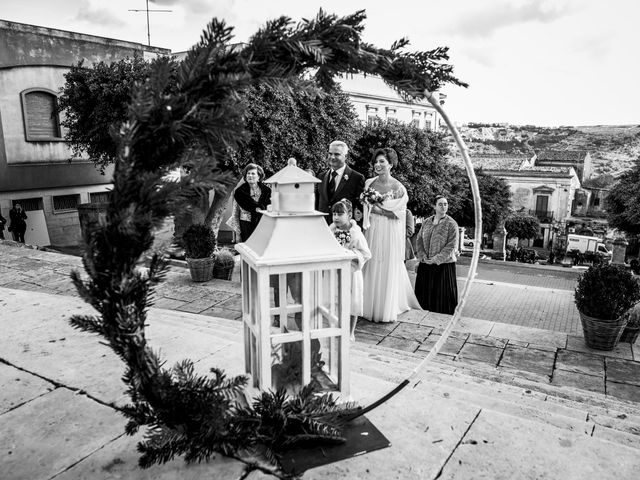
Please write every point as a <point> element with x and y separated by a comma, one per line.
<point>35,166</point>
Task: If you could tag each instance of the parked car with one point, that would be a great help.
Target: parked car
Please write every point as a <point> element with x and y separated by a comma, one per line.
<point>468,243</point>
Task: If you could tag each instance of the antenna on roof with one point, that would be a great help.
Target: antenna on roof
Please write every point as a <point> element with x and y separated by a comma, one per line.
<point>147,10</point>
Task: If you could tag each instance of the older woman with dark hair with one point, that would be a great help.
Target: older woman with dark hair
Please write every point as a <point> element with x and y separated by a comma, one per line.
<point>387,288</point>
<point>251,196</point>
<point>437,248</point>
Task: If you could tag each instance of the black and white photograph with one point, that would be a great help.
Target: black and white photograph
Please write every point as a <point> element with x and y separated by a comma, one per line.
<point>249,240</point>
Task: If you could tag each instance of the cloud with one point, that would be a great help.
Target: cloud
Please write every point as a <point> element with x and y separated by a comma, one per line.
<point>480,55</point>
<point>191,6</point>
<point>596,46</point>
<point>97,16</point>
<point>483,23</point>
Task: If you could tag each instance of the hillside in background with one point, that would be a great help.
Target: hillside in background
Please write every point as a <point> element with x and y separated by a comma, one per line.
<point>613,148</point>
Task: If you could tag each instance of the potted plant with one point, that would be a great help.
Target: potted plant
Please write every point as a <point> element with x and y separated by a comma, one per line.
<point>603,294</point>
<point>199,244</point>
<point>223,263</point>
<point>631,331</point>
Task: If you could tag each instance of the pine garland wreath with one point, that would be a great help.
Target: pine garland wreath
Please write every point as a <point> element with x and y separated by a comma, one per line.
<point>197,126</point>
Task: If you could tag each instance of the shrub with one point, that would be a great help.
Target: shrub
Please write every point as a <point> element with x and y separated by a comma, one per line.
<point>199,241</point>
<point>606,291</point>
<point>634,316</point>
<point>224,258</point>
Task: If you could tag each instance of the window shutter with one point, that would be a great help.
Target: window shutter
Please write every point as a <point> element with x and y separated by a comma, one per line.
<point>42,118</point>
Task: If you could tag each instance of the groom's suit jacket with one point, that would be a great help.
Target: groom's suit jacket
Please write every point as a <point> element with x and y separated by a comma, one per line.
<point>350,187</point>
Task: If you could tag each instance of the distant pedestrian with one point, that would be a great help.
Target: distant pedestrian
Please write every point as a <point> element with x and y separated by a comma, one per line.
<point>3,222</point>
<point>18,225</point>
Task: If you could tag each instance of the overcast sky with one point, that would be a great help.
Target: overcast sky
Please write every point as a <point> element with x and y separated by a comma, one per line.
<point>542,62</point>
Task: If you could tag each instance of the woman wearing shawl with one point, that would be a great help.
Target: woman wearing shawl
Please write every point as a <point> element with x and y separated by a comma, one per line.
<point>387,289</point>
<point>250,195</point>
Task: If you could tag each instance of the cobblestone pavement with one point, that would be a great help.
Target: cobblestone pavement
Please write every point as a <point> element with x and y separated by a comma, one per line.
<point>530,296</point>
<point>495,331</point>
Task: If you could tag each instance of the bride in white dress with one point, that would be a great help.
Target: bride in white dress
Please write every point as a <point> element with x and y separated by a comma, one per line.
<point>387,288</point>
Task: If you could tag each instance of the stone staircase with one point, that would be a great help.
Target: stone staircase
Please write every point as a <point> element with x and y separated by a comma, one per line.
<point>592,414</point>
<point>570,409</point>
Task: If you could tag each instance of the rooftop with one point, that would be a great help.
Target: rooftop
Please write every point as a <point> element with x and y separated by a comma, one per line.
<point>497,161</point>
<point>562,155</point>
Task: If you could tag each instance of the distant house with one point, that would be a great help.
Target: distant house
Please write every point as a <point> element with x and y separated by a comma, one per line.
<point>546,192</point>
<point>372,98</point>
<point>580,160</point>
<point>35,166</point>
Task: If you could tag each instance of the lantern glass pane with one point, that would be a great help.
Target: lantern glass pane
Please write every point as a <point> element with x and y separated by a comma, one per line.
<point>245,287</point>
<point>254,359</point>
<point>325,363</point>
<point>329,300</point>
<point>275,324</point>
<point>286,366</point>
<point>274,289</point>
<point>254,296</point>
<point>294,288</point>
<point>286,302</point>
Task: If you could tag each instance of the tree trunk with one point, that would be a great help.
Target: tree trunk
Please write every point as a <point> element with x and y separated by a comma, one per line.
<point>218,206</point>
<point>199,209</point>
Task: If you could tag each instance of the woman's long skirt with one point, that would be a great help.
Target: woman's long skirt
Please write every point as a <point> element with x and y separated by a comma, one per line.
<point>437,288</point>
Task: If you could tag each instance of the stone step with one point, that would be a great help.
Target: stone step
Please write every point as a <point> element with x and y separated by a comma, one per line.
<point>571,409</point>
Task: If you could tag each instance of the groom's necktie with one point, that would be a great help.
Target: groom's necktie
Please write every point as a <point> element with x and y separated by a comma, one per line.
<point>332,183</point>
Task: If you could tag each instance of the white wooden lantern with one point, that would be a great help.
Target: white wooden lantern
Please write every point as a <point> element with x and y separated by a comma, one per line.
<point>296,289</point>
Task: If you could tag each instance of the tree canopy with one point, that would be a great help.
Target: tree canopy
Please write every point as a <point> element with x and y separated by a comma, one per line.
<point>521,225</point>
<point>623,201</point>
<point>301,125</point>
<point>95,102</point>
<point>424,171</point>
<point>422,167</point>
<point>495,197</point>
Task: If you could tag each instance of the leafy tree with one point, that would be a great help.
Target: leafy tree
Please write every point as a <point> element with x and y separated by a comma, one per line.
<point>623,201</point>
<point>521,225</point>
<point>299,124</point>
<point>95,101</point>
<point>186,413</point>
<point>422,168</point>
<point>601,181</point>
<point>496,197</point>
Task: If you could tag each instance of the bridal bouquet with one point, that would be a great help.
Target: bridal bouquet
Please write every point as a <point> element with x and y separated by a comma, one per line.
<point>372,197</point>
<point>343,236</point>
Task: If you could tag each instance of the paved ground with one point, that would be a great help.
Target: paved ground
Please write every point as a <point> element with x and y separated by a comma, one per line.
<point>511,314</point>
<point>60,390</point>
<point>538,297</point>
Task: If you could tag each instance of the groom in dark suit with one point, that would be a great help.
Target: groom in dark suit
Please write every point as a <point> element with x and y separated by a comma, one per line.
<point>338,182</point>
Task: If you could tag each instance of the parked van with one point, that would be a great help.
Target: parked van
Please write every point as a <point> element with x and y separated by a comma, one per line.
<point>585,243</point>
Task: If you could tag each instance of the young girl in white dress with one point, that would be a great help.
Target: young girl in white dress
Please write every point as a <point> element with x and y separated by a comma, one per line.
<point>349,235</point>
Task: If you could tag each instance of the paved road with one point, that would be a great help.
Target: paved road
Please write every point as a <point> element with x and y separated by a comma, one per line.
<point>543,276</point>
<point>516,294</point>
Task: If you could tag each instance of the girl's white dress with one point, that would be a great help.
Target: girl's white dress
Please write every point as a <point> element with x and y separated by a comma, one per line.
<point>358,245</point>
<point>387,288</point>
